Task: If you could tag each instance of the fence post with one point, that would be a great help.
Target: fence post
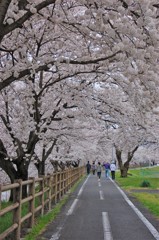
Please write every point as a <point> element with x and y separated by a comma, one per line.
<point>63,183</point>
<point>56,175</point>
<point>32,202</point>
<point>69,179</point>
<point>72,176</point>
<point>60,185</point>
<point>42,184</point>
<point>67,172</point>
<point>49,192</point>
<point>0,195</point>
<point>17,197</point>
<point>65,176</point>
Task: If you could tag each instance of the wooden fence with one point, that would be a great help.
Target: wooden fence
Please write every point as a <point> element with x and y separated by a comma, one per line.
<point>43,194</point>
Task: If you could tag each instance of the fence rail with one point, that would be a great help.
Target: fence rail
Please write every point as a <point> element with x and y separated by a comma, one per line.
<point>42,194</point>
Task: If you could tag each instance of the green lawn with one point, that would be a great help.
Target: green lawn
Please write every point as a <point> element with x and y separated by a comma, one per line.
<point>150,201</point>
<point>135,180</point>
<point>137,176</point>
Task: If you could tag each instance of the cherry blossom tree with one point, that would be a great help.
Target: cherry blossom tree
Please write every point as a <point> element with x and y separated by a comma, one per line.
<point>124,126</point>
<point>113,36</point>
<point>47,46</point>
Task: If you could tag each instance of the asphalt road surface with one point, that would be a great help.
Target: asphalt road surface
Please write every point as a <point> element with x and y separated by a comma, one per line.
<point>100,210</point>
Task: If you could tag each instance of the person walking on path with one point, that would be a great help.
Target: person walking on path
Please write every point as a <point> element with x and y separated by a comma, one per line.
<point>93,168</point>
<point>99,170</point>
<point>113,169</point>
<point>88,167</point>
<point>107,169</point>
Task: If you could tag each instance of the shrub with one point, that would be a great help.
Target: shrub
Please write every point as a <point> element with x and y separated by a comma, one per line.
<point>145,183</point>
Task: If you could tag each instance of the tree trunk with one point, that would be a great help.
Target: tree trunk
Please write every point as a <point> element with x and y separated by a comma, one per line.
<point>22,173</point>
<point>124,170</point>
<point>124,167</point>
<point>13,174</point>
<point>40,164</point>
<point>41,168</point>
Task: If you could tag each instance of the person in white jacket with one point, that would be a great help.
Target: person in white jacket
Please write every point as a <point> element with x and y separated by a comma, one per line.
<point>113,169</point>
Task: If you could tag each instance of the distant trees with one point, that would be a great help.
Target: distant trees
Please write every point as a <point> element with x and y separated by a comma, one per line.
<point>124,128</point>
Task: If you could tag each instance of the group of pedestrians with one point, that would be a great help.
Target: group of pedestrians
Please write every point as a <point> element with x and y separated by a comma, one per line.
<point>108,167</point>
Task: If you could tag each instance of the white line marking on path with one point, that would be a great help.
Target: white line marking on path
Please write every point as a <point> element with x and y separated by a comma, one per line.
<point>56,235</point>
<point>99,184</point>
<point>151,228</point>
<point>101,195</point>
<point>81,189</point>
<point>70,211</point>
<point>106,227</point>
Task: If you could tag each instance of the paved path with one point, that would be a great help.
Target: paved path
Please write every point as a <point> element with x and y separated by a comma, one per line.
<point>100,211</point>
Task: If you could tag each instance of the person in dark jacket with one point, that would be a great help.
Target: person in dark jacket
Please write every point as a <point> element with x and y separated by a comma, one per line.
<point>99,170</point>
<point>88,167</point>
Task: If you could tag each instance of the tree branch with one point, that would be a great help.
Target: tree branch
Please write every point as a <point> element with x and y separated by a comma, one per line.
<point>45,67</point>
<point>4,4</point>
<point>5,29</point>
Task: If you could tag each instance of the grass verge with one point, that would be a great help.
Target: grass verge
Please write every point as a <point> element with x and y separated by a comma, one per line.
<point>5,220</point>
<point>43,221</point>
<point>150,201</point>
<point>148,198</point>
